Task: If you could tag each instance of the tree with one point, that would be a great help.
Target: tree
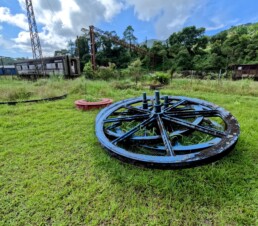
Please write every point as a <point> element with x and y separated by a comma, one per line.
<point>61,52</point>
<point>192,38</point>
<point>83,48</point>
<point>186,45</point>
<point>71,48</point>
<point>129,36</point>
<point>160,51</point>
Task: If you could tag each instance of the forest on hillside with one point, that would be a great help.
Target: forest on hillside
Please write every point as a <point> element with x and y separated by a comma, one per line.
<point>188,49</point>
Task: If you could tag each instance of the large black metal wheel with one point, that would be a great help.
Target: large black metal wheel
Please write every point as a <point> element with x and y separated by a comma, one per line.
<point>166,132</point>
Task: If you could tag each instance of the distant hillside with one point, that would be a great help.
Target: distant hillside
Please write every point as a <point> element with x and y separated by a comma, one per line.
<point>249,28</point>
<point>9,60</point>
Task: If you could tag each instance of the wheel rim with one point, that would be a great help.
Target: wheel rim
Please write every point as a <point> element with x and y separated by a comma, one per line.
<point>166,132</point>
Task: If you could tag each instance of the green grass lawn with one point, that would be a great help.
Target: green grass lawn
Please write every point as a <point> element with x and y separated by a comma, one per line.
<point>54,172</point>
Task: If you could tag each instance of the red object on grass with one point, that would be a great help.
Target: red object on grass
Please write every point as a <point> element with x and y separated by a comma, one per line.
<point>85,105</point>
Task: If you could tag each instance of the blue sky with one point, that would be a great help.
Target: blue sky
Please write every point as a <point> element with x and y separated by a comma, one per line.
<point>61,20</point>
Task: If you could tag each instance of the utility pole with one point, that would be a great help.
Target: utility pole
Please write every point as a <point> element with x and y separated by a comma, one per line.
<point>92,47</point>
<point>91,33</point>
<point>34,37</point>
<point>94,30</point>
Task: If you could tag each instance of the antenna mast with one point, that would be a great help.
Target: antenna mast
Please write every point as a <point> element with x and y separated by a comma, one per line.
<point>34,37</point>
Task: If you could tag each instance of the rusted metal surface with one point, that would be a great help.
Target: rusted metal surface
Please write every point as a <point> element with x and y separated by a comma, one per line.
<point>166,132</point>
<point>86,105</point>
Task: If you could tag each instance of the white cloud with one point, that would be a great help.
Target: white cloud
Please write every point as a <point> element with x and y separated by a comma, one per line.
<point>112,7</point>
<point>5,44</point>
<point>168,16</point>
<point>18,20</point>
<point>216,27</point>
<point>62,20</point>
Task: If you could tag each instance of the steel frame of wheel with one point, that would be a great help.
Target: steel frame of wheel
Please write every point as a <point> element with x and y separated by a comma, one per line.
<point>166,114</point>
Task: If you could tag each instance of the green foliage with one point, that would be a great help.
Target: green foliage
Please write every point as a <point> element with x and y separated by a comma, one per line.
<point>125,73</point>
<point>61,52</point>
<point>191,38</point>
<point>82,43</point>
<point>188,49</point>
<point>56,77</point>
<point>124,84</point>
<point>129,36</point>
<point>88,71</point>
<point>161,77</point>
<point>22,90</point>
<point>107,73</point>
<point>135,69</point>
<point>19,94</point>
<point>71,48</point>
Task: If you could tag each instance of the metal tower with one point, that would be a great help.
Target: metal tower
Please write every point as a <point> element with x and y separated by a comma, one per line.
<point>35,42</point>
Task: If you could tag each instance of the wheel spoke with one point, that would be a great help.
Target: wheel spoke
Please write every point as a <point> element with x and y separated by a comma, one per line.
<point>114,125</point>
<point>190,114</point>
<point>190,125</point>
<point>165,137</point>
<point>123,113</point>
<point>131,108</point>
<point>174,105</point>
<point>133,130</point>
<point>128,118</point>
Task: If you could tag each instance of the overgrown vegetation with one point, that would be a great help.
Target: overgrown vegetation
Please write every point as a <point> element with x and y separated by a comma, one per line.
<point>54,172</point>
<point>26,90</point>
<point>188,49</point>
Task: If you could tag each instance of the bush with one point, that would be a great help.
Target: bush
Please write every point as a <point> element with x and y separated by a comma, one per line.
<point>88,72</point>
<point>125,73</point>
<point>107,73</point>
<point>161,77</point>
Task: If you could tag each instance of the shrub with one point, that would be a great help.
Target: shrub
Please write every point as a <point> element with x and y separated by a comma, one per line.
<point>88,72</point>
<point>135,69</point>
<point>125,73</point>
<point>107,73</point>
<point>161,77</point>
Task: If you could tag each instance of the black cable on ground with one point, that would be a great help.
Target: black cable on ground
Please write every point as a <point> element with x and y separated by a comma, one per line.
<point>35,101</point>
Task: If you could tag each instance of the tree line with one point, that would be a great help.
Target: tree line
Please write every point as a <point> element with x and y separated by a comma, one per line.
<point>188,49</point>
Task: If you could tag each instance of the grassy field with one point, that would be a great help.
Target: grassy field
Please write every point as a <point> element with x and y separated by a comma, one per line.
<point>54,172</point>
